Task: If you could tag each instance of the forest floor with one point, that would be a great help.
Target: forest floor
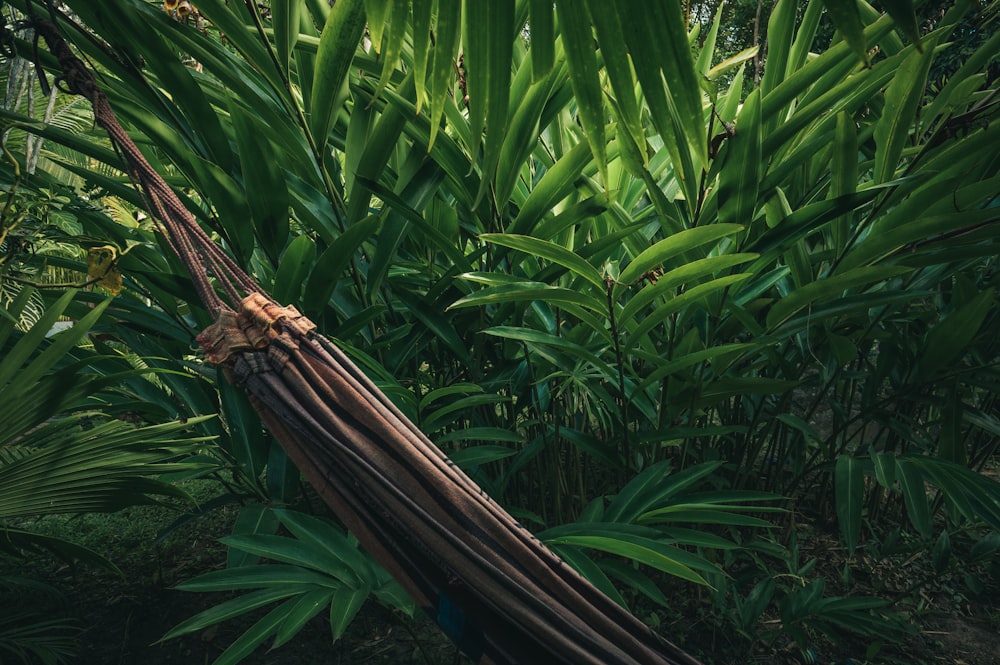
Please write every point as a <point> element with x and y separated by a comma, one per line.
<point>121,619</point>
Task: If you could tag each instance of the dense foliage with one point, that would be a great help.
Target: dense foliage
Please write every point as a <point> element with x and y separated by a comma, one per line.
<point>653,306</point>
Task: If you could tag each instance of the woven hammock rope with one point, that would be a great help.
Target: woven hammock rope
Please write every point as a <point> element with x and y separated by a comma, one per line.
<point>497,591</point>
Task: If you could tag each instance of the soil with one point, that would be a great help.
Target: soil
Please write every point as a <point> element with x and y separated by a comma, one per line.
<point>123,618</point>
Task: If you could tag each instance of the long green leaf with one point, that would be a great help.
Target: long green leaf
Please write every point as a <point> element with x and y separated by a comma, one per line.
<point>344,607</point>
<point>263,180</point>
<point>847,18</point>
<point>230,609</point>
<point>286,18</point>
<point>666,249</point>
<point>902,99</point>
<point>550,251</point>
<point>553,187</point>
<point>911,482</point>
<point>584,75</point>
<point>528,292</point>
<point>543,38</point>
<point>828,289</point>
<point>338,42</point>
<point>334,261</point>
<point>849,483</point>
<point>294,552</point>
<point>950,337</point>
<point>305,608</point>
<point>739,177</point>
<point>642,550</point>
<point>254,636</point>
<point>449,27</point>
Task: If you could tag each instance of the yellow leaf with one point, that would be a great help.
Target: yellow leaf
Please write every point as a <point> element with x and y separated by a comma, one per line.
<point>102,268</point>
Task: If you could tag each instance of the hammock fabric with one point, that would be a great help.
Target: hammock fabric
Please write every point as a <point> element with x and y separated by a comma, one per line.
<point>497,591</point>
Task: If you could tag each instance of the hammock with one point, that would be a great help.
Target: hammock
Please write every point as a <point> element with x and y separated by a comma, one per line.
<point>498,592</point>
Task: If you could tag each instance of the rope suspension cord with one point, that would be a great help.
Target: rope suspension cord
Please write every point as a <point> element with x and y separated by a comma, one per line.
<point>200,255</point>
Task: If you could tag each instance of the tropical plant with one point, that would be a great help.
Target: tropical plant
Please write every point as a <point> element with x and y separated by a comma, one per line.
<point>60,454</point>
<point>317,567</point>
<point>63,452</point>
<point>576,249</point>
<point>31,628</point>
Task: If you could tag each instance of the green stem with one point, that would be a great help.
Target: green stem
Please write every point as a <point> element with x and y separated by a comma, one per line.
<point>620,362</point>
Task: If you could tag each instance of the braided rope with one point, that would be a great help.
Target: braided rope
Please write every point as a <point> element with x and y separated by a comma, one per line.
<point>201,256</point>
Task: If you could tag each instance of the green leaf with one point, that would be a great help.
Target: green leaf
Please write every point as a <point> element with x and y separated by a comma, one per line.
<point>828,289</point>
<point>652,487</point>
<point>543,38</point>
<point>285,16</point>
<point>481,434</point>
<point>666,284</point>
<point>648,38</point>
<point>700,514</point>
<point>844,175</point>
<point>393,31</point>
<point>334,262</point>
<point>666,249</point>
<point>594,573</point>
<point>449,27</point>
<point>293,268</point>
<point>294,552</point>
<point>258,577</point>
<point>554,186</point>
<point>941,552</point>
<point>14,359</point>
<point>344,607</point>
<point>951,336</point>
<point>281,476</point>
<point>423,11</point>
<point>697,295</point>
<point>584,76</point>
<point>974,495</point>
<point>338,42</point>
<point>21,543</point>
<point>905,17</point>
<point>488,47</point>
<point>255,518</point>
<point>263,179</point>
<point>536,337</point>
<point>780,34</point>
<point>850,493</point>
<point>231,609</point>
<point>911,482</point>
<point>739,177</point>
<point>315,530</point>
<point>529,292</point>
<point>707,51</point>
<point>548,250</point>
<point>805,36</point>
<point>678,67</point>
<point>231,204</point>
<point>611,38</point>
<point>248,642</point>
<point>474,456</point>
<point>643,550</point>
<point>902,99</point>
<point>247,441</point>
<point>847,18</point>
<point>686,360</point>
<point>885,468</point>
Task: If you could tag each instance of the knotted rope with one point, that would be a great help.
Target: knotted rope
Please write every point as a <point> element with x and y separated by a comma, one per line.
<point>197,251</point>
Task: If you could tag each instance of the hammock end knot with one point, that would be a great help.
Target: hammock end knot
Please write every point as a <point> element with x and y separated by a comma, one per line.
<point>254,326</point>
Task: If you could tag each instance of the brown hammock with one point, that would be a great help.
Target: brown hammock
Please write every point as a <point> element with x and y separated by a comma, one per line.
<point>498,592</point>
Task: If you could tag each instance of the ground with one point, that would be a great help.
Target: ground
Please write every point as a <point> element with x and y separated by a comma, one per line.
<point>121,619</point>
